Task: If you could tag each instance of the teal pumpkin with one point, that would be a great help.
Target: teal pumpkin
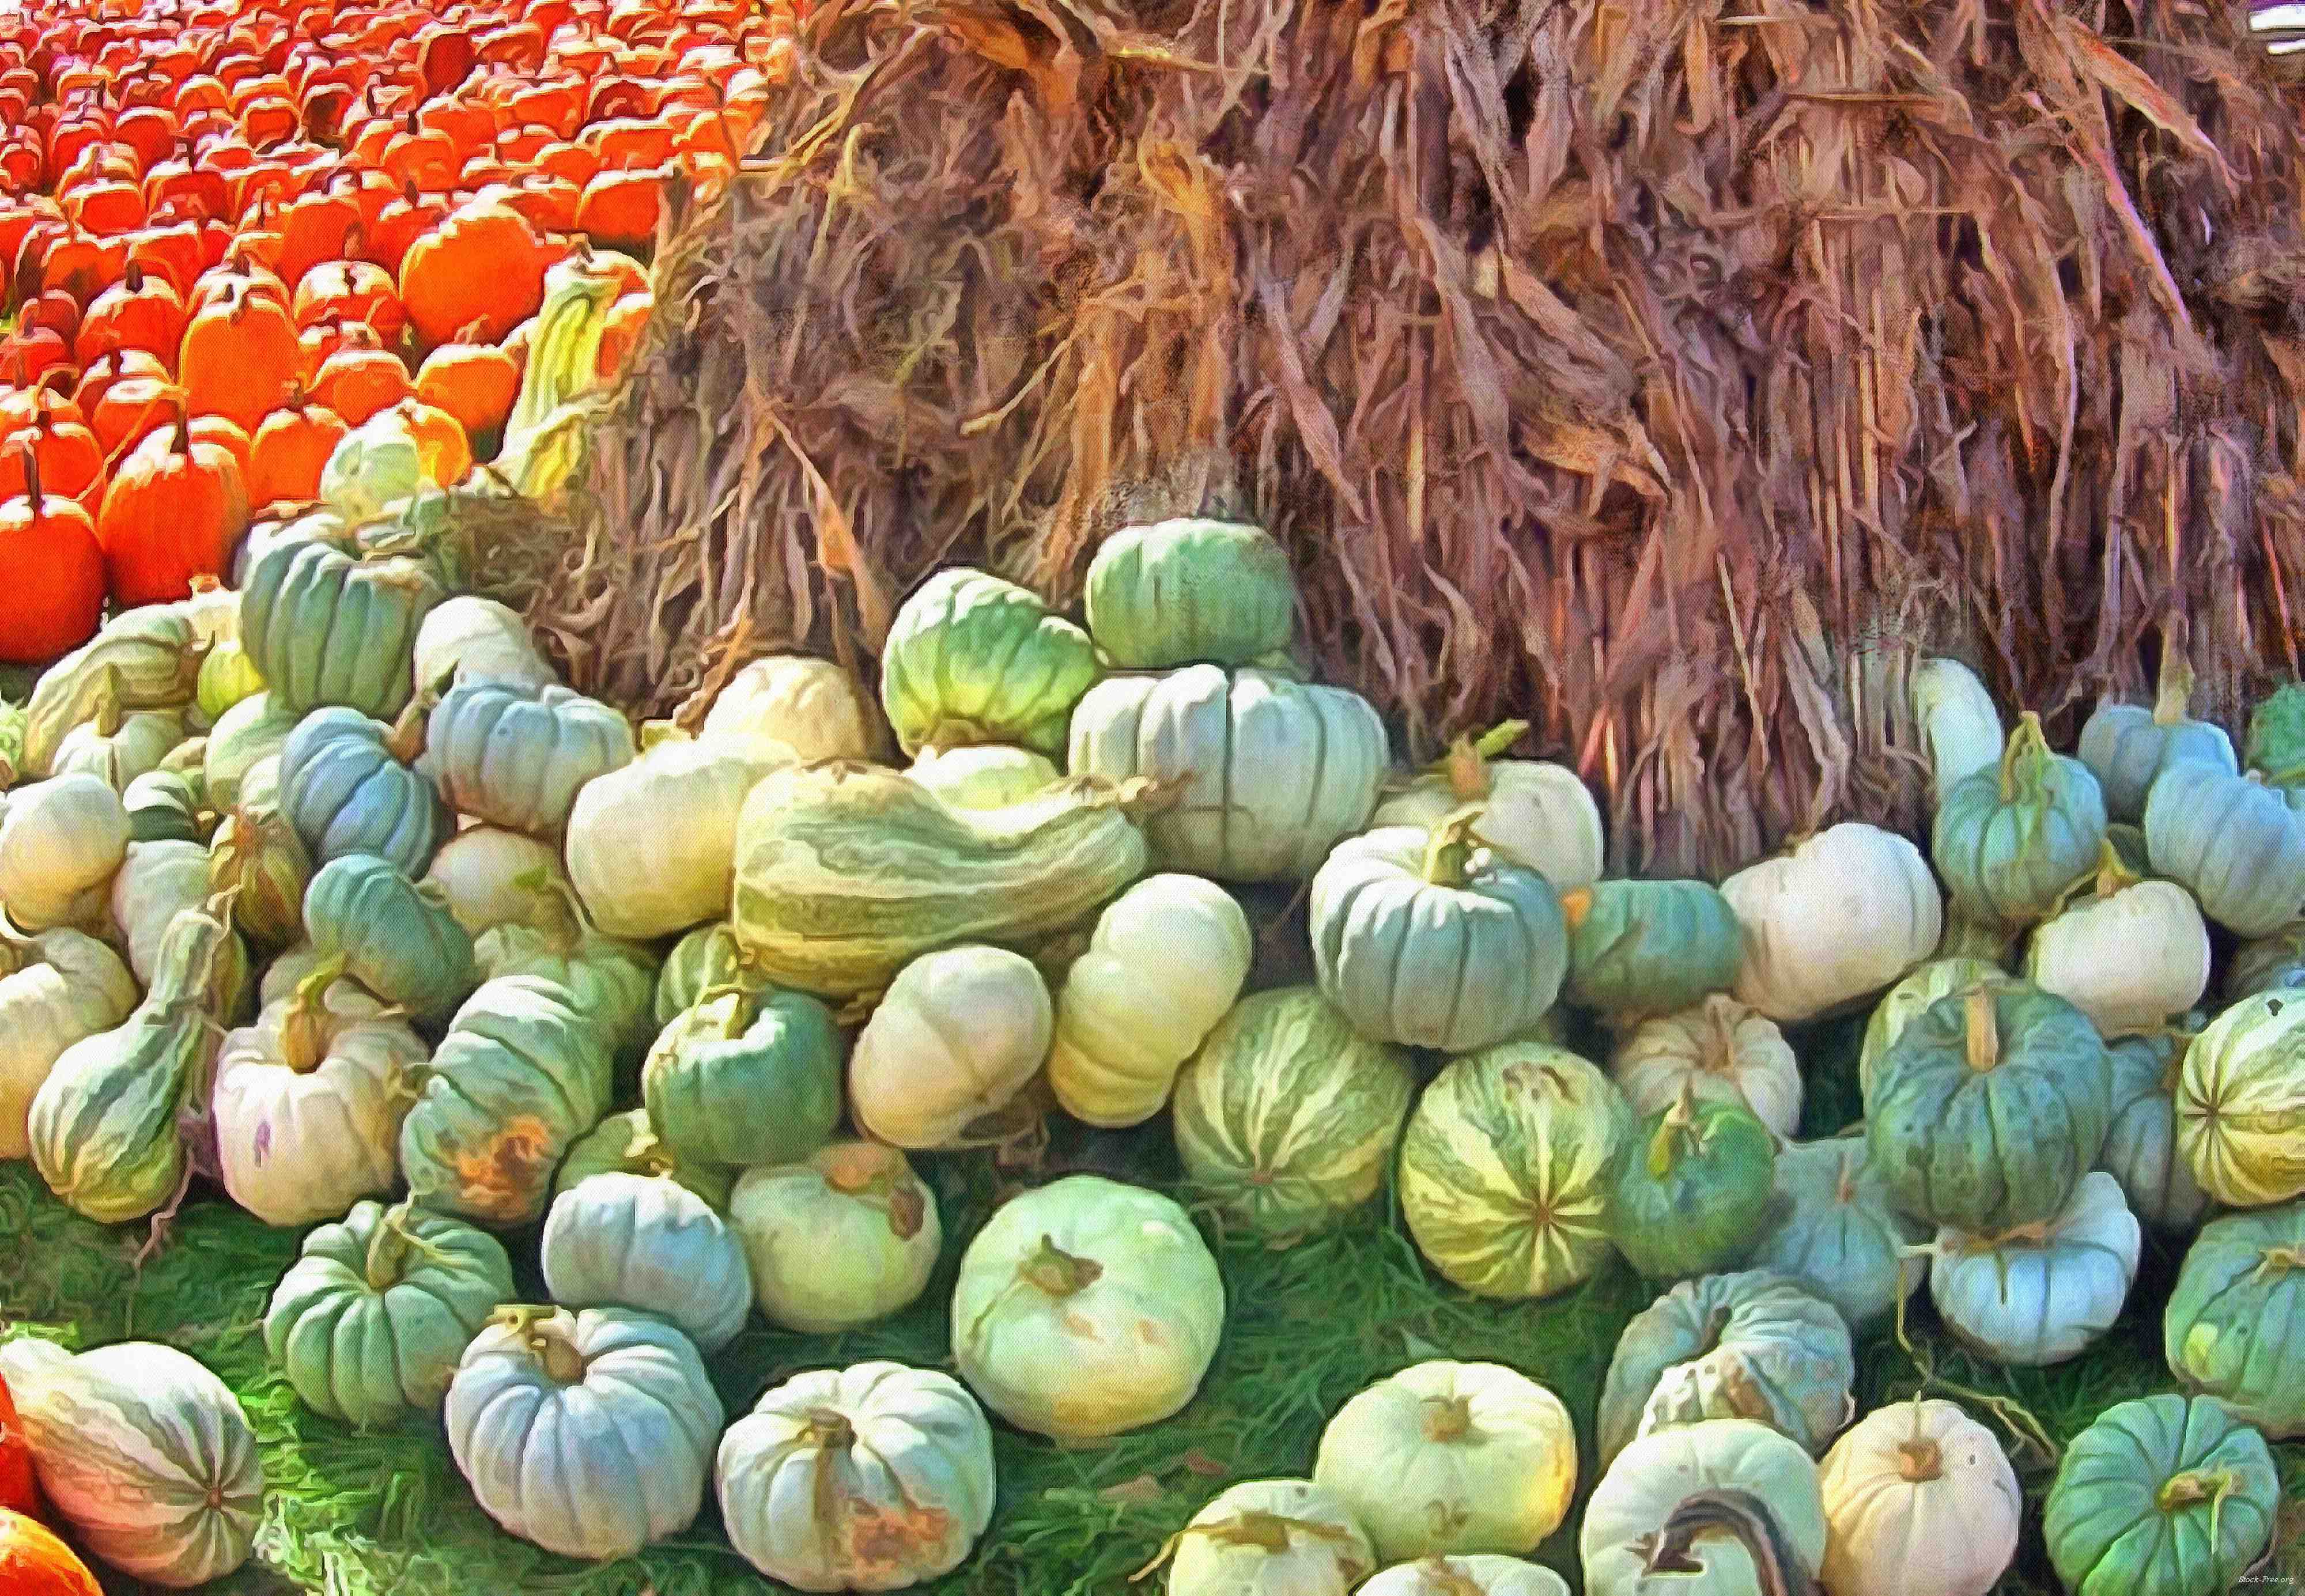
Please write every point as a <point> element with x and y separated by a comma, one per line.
<point>2275,741</point>
<point>641,1241</point>
<point>625,1144</point>
<point>1423,938</point>
<point>520,1075</point>
<point>707,957</point>
<point>369,1322</point>
<point>1941,977</point>
<point>611,980</point>
<point>2236,1325</point>
<point>1650,947</point>
<point>2168,1495</point>
<point>1748,1346</point>
<point>2127,746</point>
<point>972,659</point>
<point>1832,1227</point>
<point>165,806</point>
<point>394,937</point>
<point>322,627</point>
<point>747,1079</point>
<point>2140,1144</point>
<point>2044,1293</point>
<point>514,755</point>
<point>2237,842</point>
<point>1692,1191</point>
<point>1191,592</point>
<point>346,790</point>
<point>2011,839</point>
<point>1989,1108</point>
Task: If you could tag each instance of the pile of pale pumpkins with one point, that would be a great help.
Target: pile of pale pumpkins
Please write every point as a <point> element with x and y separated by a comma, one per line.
<point>328,889</point>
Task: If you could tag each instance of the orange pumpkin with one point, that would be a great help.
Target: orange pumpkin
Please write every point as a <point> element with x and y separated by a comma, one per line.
<point>19,1483</point>
<point>440,441</point>
<point>72,461</point>
<point>142,311</point>
<point>317,226</point>
<point>473,380</point>
<point>174,512</point>
<point>97,377</point>
<point>484,263</point>
<point>128,410</point>
<point>56,596</point>
<point>240,356</point>
<point>290,450</point>
<point>34,1563</point>
<point>361,376</point>
<point>620,332</point>
<point>621,208</point>
<point>355,290</point>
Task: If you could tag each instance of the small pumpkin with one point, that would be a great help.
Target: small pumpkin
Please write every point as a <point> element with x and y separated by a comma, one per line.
<point>1191,591</point>
<point>1833,1227</point>
<point>2140,1144</point>
<point>490,877</point>
<point>56,988</point>
<point>1085,1308</point>
<point>625,1144</point>
<point>1287,1118</point>
<point>2237,843</point>
<point>323,627</point>
<point>1506,1170</point>
<point>1960,729</point>
<point>642,1241</point>
<point>1650,947</point>
<point>1447,1457</point>
<point>810,706</point>
<point>1480,1575</point>
<point>588,1433</point>
<point>1843,915</point>
<point>61,843</point>
<point>956,1040</point>
<point>1271,1537</point>
<point>515,757</point>
<point>2043,1292</point>
<point>1939,978</point>
<point>34,1563</point>
<point>651,844</point>
<point>2127,746</point>
<point>1919,1501</point>
<point>2234,1328</point>
<point>171,513</point>
<point>393,936</point>
<point>347,787</point>
<point>1692,1194</point>
<point>167,806</point>
<point>972,659</point>
<point>1750,1476</point>
<point>2168,1494</point>
<point>2129,955</point>
<point>151,657</point>
<point>370,1321</point>
<point>2241,1103</point>
<point>257,856</point>
<point>606,979</point>
<point>1727,1052</point>
<point>2010,841</point>
<point>843,1238</point>
<point>464,638</point>
<point>1537,815</point>
<point>254,730</point>
<point>154,883</point>
<point>745,1078</point>
<point>895,1464</point>
<point>118,745</point>
<point>982,775</point>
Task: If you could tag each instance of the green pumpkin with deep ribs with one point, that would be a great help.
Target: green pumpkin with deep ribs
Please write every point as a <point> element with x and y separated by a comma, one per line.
<point>972,659</point>
<point>322,627</point>
<point>1191,592</point>
<point>744,1079</point>
<point>2163,1496</point>
<point>2011,839</point>
<point>394,936</point>
<point>1650,947</point>
<point>515,756</point>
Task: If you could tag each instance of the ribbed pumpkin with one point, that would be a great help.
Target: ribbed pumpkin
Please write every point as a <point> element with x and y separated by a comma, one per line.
<point>370,1321</point>
<point>1692,1194</point>
<point>61,841</point>
<point>972,659</point>
<point>625,1144</point>
<point>644,1242</point>
<point>1989,1108</point>
<point>1287,1118</point>
<point>1748,1346</point>
<point>2168,1494</point>
<point>394,936</point>
<point>56,563</point>
<point>2129,955</point>
<point>1832,1227</point>
<point>56,988</point>
<point>606,980</point>
<point>2236,841</point>
<point>467,637</point>
<point>1846,912</point>
<point>2140,1144</point>
<point>651,845</point>
<point>157,652</point>
<point>744,1079</point>
<point>289,449</point>
<point>1650,947</point>
<point>240,355</point>
<point>144,1453</point>
<point>846,873</point>
<point>2241,1103</point>
<point>327,628</point>
<point>515,757</point>
<point>959,1034</point>
<point>117,746</point>
<point>1271,1537</point>
<point>2041,1293</point>
<point>1919,1501</point>
<point>2236,1325</point>
<point>34,1563</point>
<point>706,958</point>
<point>257,856</point>
<point>846,1237</point>
<point>1506,1166</point>
<point>2127,746</point>
<point>984,775</point>
<point>228,675</point>
<point>1422,938</point>
<point>171,513</point>
<point>1539,816</point>
<point>2010,841</point>
<point>482,264</point>
<point>1939,978</point>
<point>1191,592</point>
<point>1269,772</point>
<point>1778,1502</point>
<point>810,706</point>
<point>348,789</point>
<point>1727,1052</point>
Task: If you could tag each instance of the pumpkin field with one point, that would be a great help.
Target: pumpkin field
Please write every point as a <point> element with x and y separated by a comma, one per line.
<point>593,1002</point>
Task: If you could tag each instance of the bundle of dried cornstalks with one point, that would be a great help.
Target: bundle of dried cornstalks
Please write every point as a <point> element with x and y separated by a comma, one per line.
<point>1663,372</point>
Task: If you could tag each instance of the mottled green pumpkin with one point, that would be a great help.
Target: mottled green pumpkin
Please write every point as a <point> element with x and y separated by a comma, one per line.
<point>394,936</point>
<point>2127,746</point>
<point>972,659</point>
<point>1692,1191</point>
<point>744,1079</point>
<point>1650,947</point>
<point>1989,1108</point>
<point>1832,1227</point>
<point>345,787</point>
<point>322,627</point>
<point>2236,1325</point>
<point>2237,843</point>
<point>2140,1144</point>
<point>2167,1495</point>
<point>2011,839</point>
<point>707,957</point>
<point>515,756</point>
<point>1939,978</point>
<point>1191,592</point>
<point>625,1144</point>
<point>369,1322</point>
<point>1287,1118</point>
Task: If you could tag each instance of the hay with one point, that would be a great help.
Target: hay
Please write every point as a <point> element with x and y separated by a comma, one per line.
<point>1663,374</point>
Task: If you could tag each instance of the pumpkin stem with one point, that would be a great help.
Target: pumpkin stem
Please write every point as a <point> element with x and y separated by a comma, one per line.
<point>1844,1189</point>
<point>654,734</point>
<point>1057,1272</point>
<point>1447,1418</point>
<point>1721,1020</point>
<point>2174,694</point>
<point>546,1339</point>
<point>406,743</point>
<point>2025,744</point>
<point>1574,905</point>
<point>108,691</point>
<point>878,1175</point>
<point>304,1028</point>
<point>1676,1133</point>
<point>389,1247</point>
<point>2112,872</point>
<point>1919,1459</point>
<point>2276,1261</point>
<point>1982,1031</point>
<point>1449,850</point>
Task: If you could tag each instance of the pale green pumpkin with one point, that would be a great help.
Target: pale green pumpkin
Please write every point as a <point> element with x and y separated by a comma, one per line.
<point>744,1079</point>
<point>167,806</point>
<point>972,659</point>
<point>2267,963</point>
<point>257,856</point>
<point>115,744</point>
<point>2127,746</point>
<point>1191,591</point>
<point>56,988</point>
<point>844,1237</point>
<point>982,775</point>
<point>2237,843</point>
<point>394,937</point>
<point>2011,840</point>
<point>228,675</point>
<point>1692,1194</point>
<point>625,1144</point>
<point>2234,1328</point>
<point>1782,1516</point>
<point>1833,1227</point>
<point>2140,1144</point>
<point>1534,813</point>
<point>2043,1293</point>
<point>610,980</point>
<point>251,732</point>
<point>152,655</point>
<point>322,627</point>
<point>646,1242</point>
<point>2128,954</point>
<point>651,844</point>
<point>61,841</point>
<point>707,957</point>
<point>1960,729</point>
<point>1271,1537</point>
<point>515,756</point>
<point>2167,1494</point>
<point>1650,947</point>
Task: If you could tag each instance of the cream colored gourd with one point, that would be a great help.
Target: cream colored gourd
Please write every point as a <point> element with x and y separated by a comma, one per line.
<point>56,988</point>
<point>846,1237</point>
<point>1655,1474</point>
<point>1843,914</point>
<point>1169,958</point>
<point>957,1037</point>
<point>309,1102</point>
<point>1451,1458</point>
<point>1960,730</point>
<point>472,639</point>
<point>1535,814</point>
<point>810,706</point>
<point>982,775</point>
<point>1919,1501</point>
<point>492,877</point>
<point>651,847</point>
<point>1481,1575</point>
<point>118,745</point>
<point>2129,956</point>
<point>1727,1052</point>
<point>61,840</point>
<point>1271,1537</point>
<point>154,882</point>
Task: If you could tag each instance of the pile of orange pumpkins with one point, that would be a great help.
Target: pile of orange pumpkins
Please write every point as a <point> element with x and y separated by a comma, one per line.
<point>235,230</point>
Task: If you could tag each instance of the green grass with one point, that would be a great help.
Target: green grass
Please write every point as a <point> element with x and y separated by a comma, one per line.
<point>388,1515</point>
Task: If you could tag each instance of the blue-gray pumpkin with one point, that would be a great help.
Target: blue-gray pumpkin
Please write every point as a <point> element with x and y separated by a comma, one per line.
<point>2238,841</point>
<point>513,755</point>
<point>323,627</point>
<point>2127,746</point>
<point>2012,838</point>
<point>394,936</point>
<point>346,791</point>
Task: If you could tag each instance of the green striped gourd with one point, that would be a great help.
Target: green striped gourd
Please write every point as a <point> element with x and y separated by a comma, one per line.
<point>2236,1325</point>
<point>1191,591</point>
<point>972,659</point>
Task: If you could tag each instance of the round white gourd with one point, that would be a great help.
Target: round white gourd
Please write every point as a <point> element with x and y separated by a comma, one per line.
<point>1271,1537</point>
<point>1728,1052</point>
<point>1843,914</point>
<point>1919,1501</point>
<point>958,1035</point>
<point>2128,960</point>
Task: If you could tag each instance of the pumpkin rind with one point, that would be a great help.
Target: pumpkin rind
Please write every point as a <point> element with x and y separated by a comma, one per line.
<point>345,792</point>
<point>1657,1473</point>
<point>487,874</point>
<point>368,1325</point>
<point>1271,1538</point>
<point>1190,591</point>
<point>2140,1145</point>
<point>706,957</point>
<point>2168,1494</point>
<point>1725,1051</point>
<point>2237,843</point>
<point>1919,1501</point>
<point>1505,1168</point>
<point>982,775</point>
<point>2241,1102</point>
<point>515,757</point>
<point>2127,746</point>
<point>1692,1191</point>
<point>644,1242</point>
<point>134,746</point>
<point>2044,1294</point>
<point>34,1563</point>
<point>972,659</point>
<point>606,980</point>
<point>744,1079</point>
<point>651,845</point>
<point>844,1238</point>
<point>323,628</point>
<point>394,938</point>
<point>2234,1328</point>
<point>1650,947</point>
<point>1847,912</point>
<point>60,987</point>
<point>1832,1227</point>
<point>2009,840</point>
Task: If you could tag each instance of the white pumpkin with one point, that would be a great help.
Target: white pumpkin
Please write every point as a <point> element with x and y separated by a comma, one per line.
<point>155,881</point>
<point>308,1101</point>
<point>57,988</point>
<point>652,846</point>
<point>1536,814</point>
<point>1960,730</point>
<point>61,840</point>
<point>1919,1501</point>
<point>492,877</point>
<point>1451,1458</point>
<point>647,1242</point>
<point>874,1477</point>
<point>471,638</point>
<point>1271,1537</point>
<point>982,775</point>
<point>810,706</point>
<point>1655,1474</point>
<point>1481,1575</point>
<point>2129,957</point>
<point>144,1453</point>
<point>1843,915</point>
<point>117,747</point>
<point>1168,960</point>
<point>1725,1051</point>
<point>958,1035</point>
<point>2044,1293</point>
<point>849,1237</point>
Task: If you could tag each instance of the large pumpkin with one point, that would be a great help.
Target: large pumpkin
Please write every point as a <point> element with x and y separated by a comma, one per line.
<point>1451,1458</point>
<point>2043,1293</point>
<point>1779,1524</point>
<point>2235,1325</point>
<point>1270,773</point>
<point>56,988</point>
<point>514,757</point>
<point>2236,841</point>
<point>651,845</point>
<point>647,1242</point>
<point>1939,978</point>
<point>1650,947</point>
<point>61,841</point>
<point>1919,1501</point>
<point>2168,1494</point>
<point>2127,746</point>
<point>371,1320</point>
<point>325,628</point>
<point>2140,1145</point>
<point>1085,1308</point>
<point>1832,1227</point>
<point>1533,814</point>
<point>394,937</point>
<point>2011,840</point>
<point>1726,1052</point>
<point>171,513</point>
<point>894,1464</point>
<point>1845,914</point>
<point>810,706</point>
<point>848,1236</point>
<point>2241,1102</point>
<point>1989,1108</point>
<point>745,1078</point>
<point>144,1453</point>
<point>972,659</point>
<point>1505,1168</point>
<point>1423,938</point>
<point>1287,1118</point>
<point>1191,592</point>
<point>1693,1191</point>
<point>589,1433</point>
<point>347,787</point>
